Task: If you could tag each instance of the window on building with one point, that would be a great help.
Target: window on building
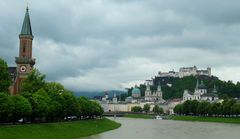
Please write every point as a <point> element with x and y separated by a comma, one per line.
<point>24,49</point>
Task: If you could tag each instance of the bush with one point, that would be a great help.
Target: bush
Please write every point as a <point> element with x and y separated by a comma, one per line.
<point>136,109</point>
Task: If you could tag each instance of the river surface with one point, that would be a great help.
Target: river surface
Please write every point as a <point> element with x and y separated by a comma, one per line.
<point>168,129</point>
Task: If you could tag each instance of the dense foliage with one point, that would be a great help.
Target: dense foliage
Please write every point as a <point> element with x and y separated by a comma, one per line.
<point>43,102</point>
<point>174,87</point>
<point>136,109</point>
<point>228,107</point>
<point>146,108</point>
<point>5,80</point>
<point>157,110</point>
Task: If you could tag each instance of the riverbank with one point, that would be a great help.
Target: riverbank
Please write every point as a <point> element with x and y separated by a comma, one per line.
<point>143,116</point>
<point>206,119</point>
<point>169,129</point>
<point>64,130</point>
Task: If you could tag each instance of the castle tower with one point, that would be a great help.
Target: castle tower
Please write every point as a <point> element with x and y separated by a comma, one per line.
<point>115,100</point>
<point>209,71</point>
<point>159,91</point>
<point>214,91</point>
<point>197,84</point>
<point>24,61</point>
<point>148,90</point>
<point>200,89</point>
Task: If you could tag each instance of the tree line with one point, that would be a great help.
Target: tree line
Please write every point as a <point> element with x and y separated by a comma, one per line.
<point>146,108</point>
<point>229,107</point>
<point>42,101</point>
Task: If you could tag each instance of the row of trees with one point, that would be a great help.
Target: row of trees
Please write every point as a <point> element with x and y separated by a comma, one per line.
<point>146,108</point>
<point>228,107</point>
<point>42,101</point>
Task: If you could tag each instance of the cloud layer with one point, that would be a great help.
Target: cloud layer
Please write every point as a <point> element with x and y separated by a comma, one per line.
<point>91,45</point>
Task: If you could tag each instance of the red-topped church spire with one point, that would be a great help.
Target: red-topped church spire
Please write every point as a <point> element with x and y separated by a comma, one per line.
<point>24,61</point>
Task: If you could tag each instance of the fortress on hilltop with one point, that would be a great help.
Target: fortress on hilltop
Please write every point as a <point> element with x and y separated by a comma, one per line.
<point>185,71</point>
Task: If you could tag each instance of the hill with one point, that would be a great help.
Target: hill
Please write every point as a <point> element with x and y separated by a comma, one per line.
<point>100,93</point>
<point>173,87</point>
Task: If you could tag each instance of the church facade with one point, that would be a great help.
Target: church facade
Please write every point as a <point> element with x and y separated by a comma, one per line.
<point>24,61</point>
<point>154,96</point>
<point>200,93</point>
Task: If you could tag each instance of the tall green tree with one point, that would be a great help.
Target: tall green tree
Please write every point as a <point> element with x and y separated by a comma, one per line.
<point>203,108</point>
<point>40,104</point>
<point>235,109</point>
<point>33,82</point>
<point>136,109</point>
<point>83,107</point>
<point>157,109</point>
<point>21,108</point>
<point>98,111</point>
<point>178,109</point>
<point>214,109</point>
<point>5,79</point>
<point>226,106</point>
<point>70,104</point>
<point>53,88</point>
<point>6,107</point>
<point>146,108</point>
<point>54,91</point>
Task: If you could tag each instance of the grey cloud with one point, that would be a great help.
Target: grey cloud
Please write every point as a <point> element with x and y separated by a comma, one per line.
<point>107,43</point>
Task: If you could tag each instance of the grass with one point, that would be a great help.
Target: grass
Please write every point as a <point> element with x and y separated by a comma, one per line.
<point>64,130</point>
<point>207,119</point>
<point>143,116</point>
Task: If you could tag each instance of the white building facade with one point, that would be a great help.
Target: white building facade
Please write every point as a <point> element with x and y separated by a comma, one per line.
<point>186,71</point>
<point>200,93</point>
<point>154,96</point>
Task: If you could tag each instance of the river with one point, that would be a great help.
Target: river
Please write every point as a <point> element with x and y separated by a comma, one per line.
<point>168,129</point>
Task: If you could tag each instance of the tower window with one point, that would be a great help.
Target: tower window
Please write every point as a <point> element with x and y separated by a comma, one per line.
<point>24,49</point>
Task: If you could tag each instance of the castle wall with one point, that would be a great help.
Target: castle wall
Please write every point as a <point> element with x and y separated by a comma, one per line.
<point>186,71</point>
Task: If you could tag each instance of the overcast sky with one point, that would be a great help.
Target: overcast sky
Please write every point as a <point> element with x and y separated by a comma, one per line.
<point>90,45</point>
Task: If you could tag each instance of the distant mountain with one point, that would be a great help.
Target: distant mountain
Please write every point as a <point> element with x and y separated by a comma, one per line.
<point>87,94</point>
<point>100,93</point>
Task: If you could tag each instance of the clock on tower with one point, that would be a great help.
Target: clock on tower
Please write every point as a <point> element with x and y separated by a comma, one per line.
<point>24,61</point>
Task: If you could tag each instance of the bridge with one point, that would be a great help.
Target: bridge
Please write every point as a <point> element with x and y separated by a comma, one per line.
<point>112,114</point>
<point>121,114</point>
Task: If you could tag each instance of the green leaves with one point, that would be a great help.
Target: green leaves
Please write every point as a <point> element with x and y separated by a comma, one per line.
<point>5,79</point>
<point>33,82</point>
<point>136,109</point>
<point>6,107</point>
<point>227,107</point>
<point>89,108</point>
<point>44,101</point>
<point>146,108</point>
<point>21,107</point>
<point>157,109</point>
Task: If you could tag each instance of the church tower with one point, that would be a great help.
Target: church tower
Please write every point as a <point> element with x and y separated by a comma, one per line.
<point>148,93</point>
<point>159,91</point>
<point>24,61</point>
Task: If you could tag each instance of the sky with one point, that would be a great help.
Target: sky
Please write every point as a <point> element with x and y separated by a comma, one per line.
<point>97,45</point>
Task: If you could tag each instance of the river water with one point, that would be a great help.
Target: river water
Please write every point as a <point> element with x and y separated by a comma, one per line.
<point>168,129</point>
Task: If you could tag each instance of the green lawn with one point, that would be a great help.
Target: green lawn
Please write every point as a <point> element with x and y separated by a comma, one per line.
<point>64,130</point>
<point>207,119</point>
<point>144,116</point>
